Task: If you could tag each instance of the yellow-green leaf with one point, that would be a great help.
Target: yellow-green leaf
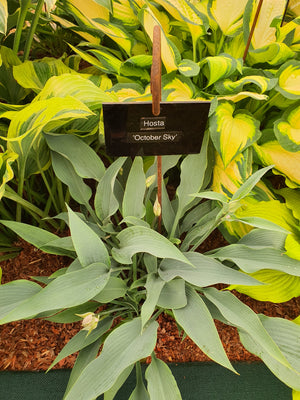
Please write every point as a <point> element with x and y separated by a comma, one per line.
<point>228,14</point>
<point>296,395</point>
<point>264,33</point>
<point>6,171</point>
<point>287,129</point>
<point>3,16</point>
<point>167,53</point>
<point>90,8</point>
<point>285,162</point>
<point>218,67</point>
<point>179,90</point>
<point>123,11</point>
<point>232,132</point>
<point>289,79</point>
<point>279,286</point>
<point>228,86</point>
<point>273,54</point>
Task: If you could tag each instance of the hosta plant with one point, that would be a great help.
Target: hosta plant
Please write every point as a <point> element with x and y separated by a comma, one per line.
<point>124,273</point>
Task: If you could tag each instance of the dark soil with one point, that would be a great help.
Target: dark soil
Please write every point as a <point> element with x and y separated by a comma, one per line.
<point>33,344</point>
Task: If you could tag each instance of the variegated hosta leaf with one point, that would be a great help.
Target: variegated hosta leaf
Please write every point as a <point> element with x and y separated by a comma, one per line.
<point>3,16</point>
<point>294,7</point>
<point>25,130</point>
<point>292,200</point>
<point>76,86</point>
<point>188,68</point>
<point>228,86</point>
<point>183,10</point>
<point>228,15</point>
<point>126,92</point>
<point>286,163</point>
<point>232,132</point>
<point>264,33</point>
<point>89,9</point>
<point>149,20</point>
<point>287,128</point>
<point>273,54</point>
<point>235,98</point>
<point>91,38</point>
<point>110,63</point>
<point>178,89</point>
<point>6,171</point>
<point>123,11</point>
<point>218,67</point>
<point>290,31</point>
<point>289,79</point>
<point>34,74</point>
<point>235,47</point>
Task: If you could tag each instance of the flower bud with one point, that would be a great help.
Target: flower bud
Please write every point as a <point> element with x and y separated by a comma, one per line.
<point>157,208</point>
<point>89,322</point>
<point>150,180</point>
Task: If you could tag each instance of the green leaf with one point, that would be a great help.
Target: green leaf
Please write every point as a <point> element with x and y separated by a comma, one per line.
<point>66,173</point>
<point>106,203</point>
<point>212,196</point>
<point>82,340</point>
<point>153,287</point>
<point>289,80</point>
<point>34,74</point>
<point>254,259</point>
<point>133,201</point>
<point>203,271</point>
<point>115,288</point>
<point>14,293</point>
<point>241,316</point>
<point>82,157</point>
<point>218,67</point>
<point>279,286</point>
<point>88,245</point>
<point>161,382</point>
<point>140,392</point>
<point>40,238</point>
<point>287,128</point>
<point>3,16</point>
<point>232,131</point>
<point>65,291</point>
<point>110,394</point>
<point>273,54</point>
<point>229,86</point>
<point>261,223</point>
<point>286,335</point>
<point>173,295</point>
<point>76,86</point>
<point>139,239</point>
<point>197,322</point>
<point>6,171</point>
<point>188,68</point>
<point>123,347</point>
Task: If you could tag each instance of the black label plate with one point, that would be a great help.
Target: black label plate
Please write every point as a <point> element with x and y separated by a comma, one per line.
<point>131,129</point>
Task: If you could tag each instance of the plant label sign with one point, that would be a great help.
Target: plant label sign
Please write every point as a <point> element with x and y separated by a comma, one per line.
<point>131,129</point>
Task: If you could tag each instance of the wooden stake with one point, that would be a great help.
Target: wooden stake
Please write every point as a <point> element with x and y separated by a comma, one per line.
<point>252,29</point>
<point>156,98</point>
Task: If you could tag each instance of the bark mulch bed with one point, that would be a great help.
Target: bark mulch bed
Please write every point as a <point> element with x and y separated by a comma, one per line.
<point>33,344</point>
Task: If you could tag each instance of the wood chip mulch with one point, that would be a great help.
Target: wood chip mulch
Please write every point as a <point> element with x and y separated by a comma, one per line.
<point>34,344</point>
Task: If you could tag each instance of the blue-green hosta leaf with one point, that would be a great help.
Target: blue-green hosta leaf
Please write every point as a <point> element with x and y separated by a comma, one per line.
<point>126,345</point>
<point>3,16</point>
<point>161,382</point>
<point>229,15</point>
<point>153,287</point>
<point>40,238</point>
<point>149,20</point>
<point>133,200</point>
<point>172,295</point>
<point>65,291</point>
<point>218,67</point>
<point>106,203</point>
<point>115,288</point>
<point>82,340</point>
<point>287,128</point>
<point>88,245</point>
<point>139,239</point>
<point>76,86</point>
<point>279,286</point>
<point>204,271</point>
<point>232,131</point>
<point>289,79</point>
<point>201,329</point>
<point>34,74</point>
<point>14,293</point>
<point>83,158</point>
<point>245,319</point>
<point>286,335</point>
<point>6,172</point>
<point>140,392</point>
<point>228,86</point>
<point>285,162</point>
<point>273,54</point>
<point>253,259</point>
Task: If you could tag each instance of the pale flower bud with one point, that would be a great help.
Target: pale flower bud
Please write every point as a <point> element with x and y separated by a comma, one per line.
<point>157,208</point>
<point>150,180</point>
<point>89,322</point>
